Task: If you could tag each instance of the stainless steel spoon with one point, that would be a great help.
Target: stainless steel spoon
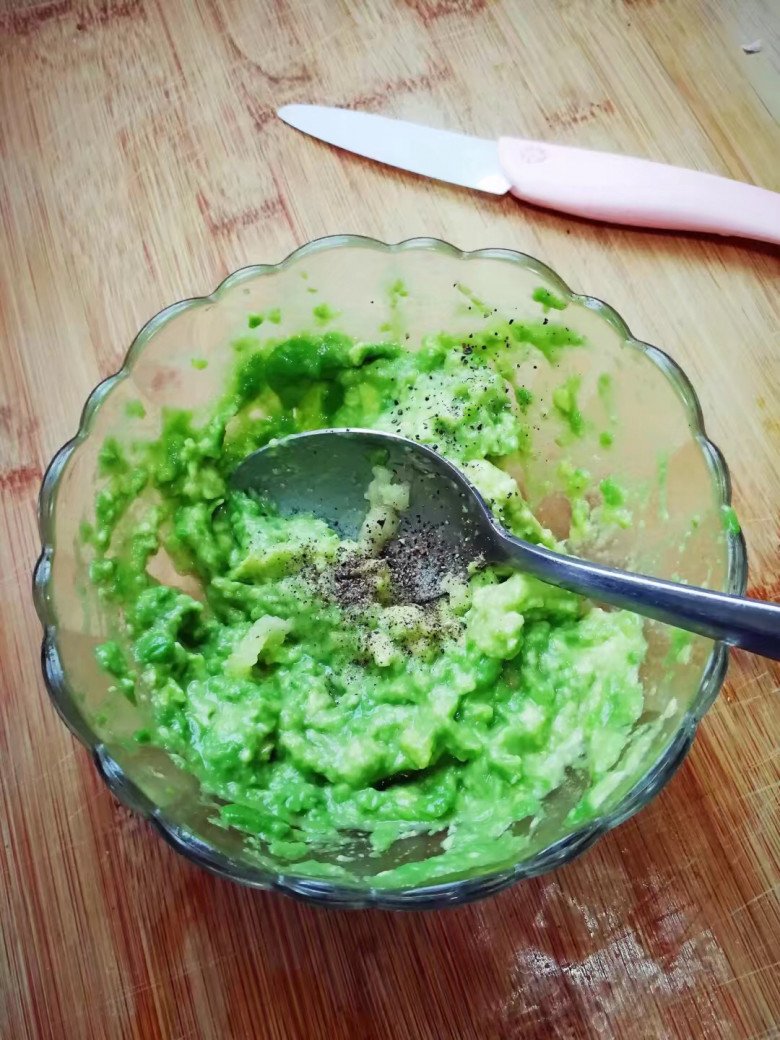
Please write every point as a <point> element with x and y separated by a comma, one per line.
<point>449,524</point>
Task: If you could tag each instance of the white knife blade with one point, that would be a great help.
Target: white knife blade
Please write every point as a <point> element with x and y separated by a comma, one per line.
<point>471,162</point>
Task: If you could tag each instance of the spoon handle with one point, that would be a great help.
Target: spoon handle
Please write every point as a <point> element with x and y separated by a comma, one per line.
<point>735,620</point>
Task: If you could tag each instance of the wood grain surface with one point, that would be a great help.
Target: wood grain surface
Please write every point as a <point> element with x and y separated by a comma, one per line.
<point>141,162</point>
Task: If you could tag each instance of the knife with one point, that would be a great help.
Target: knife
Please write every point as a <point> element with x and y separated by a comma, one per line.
<point>618,189</point>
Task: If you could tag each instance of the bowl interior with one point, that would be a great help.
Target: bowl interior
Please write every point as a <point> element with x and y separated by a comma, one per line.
<point>607,413</point>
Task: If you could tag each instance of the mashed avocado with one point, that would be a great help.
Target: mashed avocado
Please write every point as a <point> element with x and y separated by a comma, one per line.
<point>306,689</point>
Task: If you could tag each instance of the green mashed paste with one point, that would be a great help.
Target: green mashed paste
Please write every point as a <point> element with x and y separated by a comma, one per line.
<point>319,720</point>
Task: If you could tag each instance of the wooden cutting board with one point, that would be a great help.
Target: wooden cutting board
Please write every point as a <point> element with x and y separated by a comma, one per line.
<point>140,162</point>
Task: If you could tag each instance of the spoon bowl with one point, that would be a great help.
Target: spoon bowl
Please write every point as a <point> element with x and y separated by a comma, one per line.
<point>326,472</point>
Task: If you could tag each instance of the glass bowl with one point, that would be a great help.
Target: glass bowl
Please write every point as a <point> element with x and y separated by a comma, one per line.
<point>640,419</point>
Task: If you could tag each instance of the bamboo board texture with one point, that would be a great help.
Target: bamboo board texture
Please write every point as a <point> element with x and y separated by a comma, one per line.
<point>141,162</point>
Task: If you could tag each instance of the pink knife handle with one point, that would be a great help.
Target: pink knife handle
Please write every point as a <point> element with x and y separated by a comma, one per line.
<point>622,190</point>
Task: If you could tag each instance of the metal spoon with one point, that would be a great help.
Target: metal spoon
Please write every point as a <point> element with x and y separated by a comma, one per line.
<point>448,525</point>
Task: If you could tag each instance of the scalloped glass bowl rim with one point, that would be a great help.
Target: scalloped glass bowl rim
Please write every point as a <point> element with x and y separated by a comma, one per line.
<point>326,892</point>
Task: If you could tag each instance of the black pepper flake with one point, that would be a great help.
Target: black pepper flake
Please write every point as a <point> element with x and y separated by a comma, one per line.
<point>511,321</point>
<point>546,320</point>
